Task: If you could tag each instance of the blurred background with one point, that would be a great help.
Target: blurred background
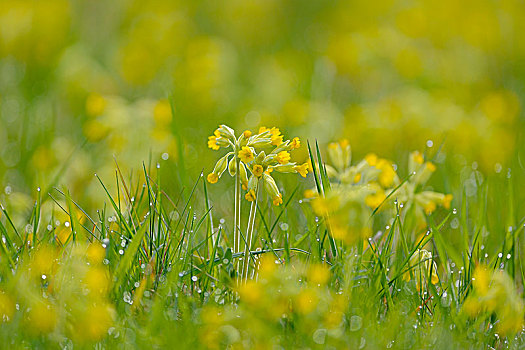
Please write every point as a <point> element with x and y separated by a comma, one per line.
<point>85,82</point>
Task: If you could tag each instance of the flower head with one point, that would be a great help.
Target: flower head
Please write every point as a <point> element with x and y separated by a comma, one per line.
<point>282,157</point>
<point>295,143</point>
<point>246,154</point>
<point>257,170</point>
<point>277,199</point>
<point>302,169</point>
<point>250,196</point>
<point>212,143</point>
<point>212,178</point>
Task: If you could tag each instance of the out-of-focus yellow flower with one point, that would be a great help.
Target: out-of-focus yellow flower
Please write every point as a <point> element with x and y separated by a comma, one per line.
<point>371,159</point>
<point>430,207</point>
<point>7,307</point>
<point>95,253</point>
<point>387,175</point>
<point>250,292</point>
<point>309,193</point>
<point>267,266</point>
<point>375,199</point>
<point>306,301</point>
<point>408,63</point>
<point>495,292</point>
<point>43,158</point>
<point>162,113</point>
<point>323,206</point>
<point>277,200</point>
<point>340,154</point>
<point>95,104</point>
<point>95,130</point>
<point>96,280</point>
<point>318,274</point>
<point>501,106</point>
<point>92,324</point>
<point>44,260</point>
<point>42,318</point>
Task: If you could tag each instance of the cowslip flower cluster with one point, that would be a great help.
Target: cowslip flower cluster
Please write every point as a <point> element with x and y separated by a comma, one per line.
<point>494,292</point>
<point>411,192</point>
<point>356,190</point>
<point>61,292</point>
<point>255,166</point>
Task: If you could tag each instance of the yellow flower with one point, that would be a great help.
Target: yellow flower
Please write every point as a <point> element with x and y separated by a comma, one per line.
<point>162,113</point>
<point>306,301</point>
<point>357,178</point>
<point>278,199</point>
<point>295,143</point>
<point>250,293</point>
<point>302,169</point>
<point>447,200</point>
<point>418,157</point>
<point>212,143</point>
<point>212,178</point>
<point>275,135</point>
<point>277,139</point>
<point>7,307</point>
<point>318,274</point>
<point>246,154</point>
<point>371,159</point>
<point>42,318</point>
<point>250,196</point>
<point>95,104</point>
<point>387,175</point>
<point>430,207</point>
<point>309,193</point>
<point>95,253</point>
<point>257,170</point>
<point>430,166</point>
<point>247,133</point>
<point>283,157</point>
<point>375,200</point>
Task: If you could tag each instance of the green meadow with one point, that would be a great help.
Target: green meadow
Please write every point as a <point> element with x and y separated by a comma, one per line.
<point>262,174</point>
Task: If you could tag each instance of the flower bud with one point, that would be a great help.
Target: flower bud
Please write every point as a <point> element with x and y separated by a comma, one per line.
<point>260,157</point>
<point>252,183</point>
<point>285,168</point>
<point>270,185</point>
<point>226,132</point>
<point>232,167</point>
<point>221,165</point>
<point>243,173</point>
<point>336,155</point>
<point>259,142</point>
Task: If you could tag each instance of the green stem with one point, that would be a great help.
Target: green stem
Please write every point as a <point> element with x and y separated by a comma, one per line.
<point>249,236</point>
<point>237,211</point>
